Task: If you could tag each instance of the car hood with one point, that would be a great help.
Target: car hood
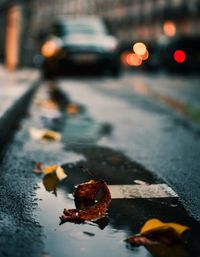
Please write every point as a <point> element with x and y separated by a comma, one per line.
<point>82,41</point>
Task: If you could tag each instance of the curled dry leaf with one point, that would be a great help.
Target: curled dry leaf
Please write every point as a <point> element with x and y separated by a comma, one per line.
<point>87,209</point>
<point>72,108</point>
<point>44,134</point>
<point>155,231</point>
<point>38,170</point>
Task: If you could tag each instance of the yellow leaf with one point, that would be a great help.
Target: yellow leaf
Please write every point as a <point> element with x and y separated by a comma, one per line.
<point>51,135</point>
<point>36,133</point>
<point>47,134</point>
<point>60,173</point>
<point>50,169</point>
<point>155,224</point>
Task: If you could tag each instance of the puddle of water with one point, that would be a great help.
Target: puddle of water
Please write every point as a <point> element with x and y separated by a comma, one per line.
<point>126,216</point>
<point>74,240</point>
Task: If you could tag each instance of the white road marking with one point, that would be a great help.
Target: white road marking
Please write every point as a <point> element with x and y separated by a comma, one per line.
<point>141,191</point>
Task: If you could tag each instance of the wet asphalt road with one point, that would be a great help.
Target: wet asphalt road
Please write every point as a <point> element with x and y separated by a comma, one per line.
<point>119,135</point>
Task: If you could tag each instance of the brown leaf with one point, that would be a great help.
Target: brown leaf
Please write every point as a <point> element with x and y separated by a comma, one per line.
<point>155,231</point>
<point>38,170</point>
<point>85,196</point>
<point>72,109</point>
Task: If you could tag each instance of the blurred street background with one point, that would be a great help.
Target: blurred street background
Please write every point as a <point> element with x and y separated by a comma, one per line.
<point>150,21</point>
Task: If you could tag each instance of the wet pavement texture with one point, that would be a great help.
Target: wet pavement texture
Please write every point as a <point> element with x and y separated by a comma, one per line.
<point>32,204</point>
<point>146,130</point>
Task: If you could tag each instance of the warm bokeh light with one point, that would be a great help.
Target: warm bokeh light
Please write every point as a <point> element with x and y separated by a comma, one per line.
<point>133,60</point>
<point>169,28</point>
<point>179,56</point>
<point>124,58</point>
<point>145,56</point>
<point>12,38</point>
<point>49,49</point>
<point>139,48</point>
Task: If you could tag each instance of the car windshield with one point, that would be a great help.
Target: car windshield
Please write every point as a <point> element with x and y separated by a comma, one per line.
<point>81,26</point>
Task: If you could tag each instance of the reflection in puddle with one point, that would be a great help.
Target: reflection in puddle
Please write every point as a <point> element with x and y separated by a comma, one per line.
<point>50,182</point>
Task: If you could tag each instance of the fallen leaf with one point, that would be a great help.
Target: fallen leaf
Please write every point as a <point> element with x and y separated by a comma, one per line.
<point>38,170</point>
<point>72,108</point>
<point>155,224</point>
<point>60,173</point>
<point>85,200</point>
<point>45,134</point>
<point>50,169</point>
<point>155,231</point>
<point>53,174</point>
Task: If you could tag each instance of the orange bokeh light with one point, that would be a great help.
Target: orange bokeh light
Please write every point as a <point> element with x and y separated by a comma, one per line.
<point>169,28</point>
<point>145,56</point>
<point>133,60</point>
<point>139,48</point>
<point>49,49</point>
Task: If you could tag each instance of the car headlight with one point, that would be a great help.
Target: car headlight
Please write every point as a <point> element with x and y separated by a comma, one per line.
<point>50,48</point>
<point>110,44</point>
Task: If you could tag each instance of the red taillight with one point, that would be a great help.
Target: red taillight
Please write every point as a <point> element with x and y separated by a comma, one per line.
<point>179,56</point>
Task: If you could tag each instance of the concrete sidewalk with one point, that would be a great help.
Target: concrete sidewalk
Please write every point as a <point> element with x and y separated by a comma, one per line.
<point>16,90</point>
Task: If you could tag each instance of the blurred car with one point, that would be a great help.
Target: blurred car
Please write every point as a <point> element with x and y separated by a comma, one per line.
<point>180,54</point>
<point>80,43</point>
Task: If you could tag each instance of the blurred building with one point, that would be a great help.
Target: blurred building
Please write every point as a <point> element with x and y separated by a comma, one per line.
<point>144,19</point>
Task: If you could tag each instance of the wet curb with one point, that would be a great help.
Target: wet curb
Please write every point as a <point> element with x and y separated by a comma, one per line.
<point>9,120</point>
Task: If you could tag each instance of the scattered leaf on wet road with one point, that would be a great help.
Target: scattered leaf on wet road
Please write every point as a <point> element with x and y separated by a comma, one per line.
<point>50,169</point>
<point>54,174</point>
<point>72,108</point>
<point>38,170</point>
<point>59,171</point>
<point>44,134</point>
<point>155,231</point>
<point>85,200</point>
